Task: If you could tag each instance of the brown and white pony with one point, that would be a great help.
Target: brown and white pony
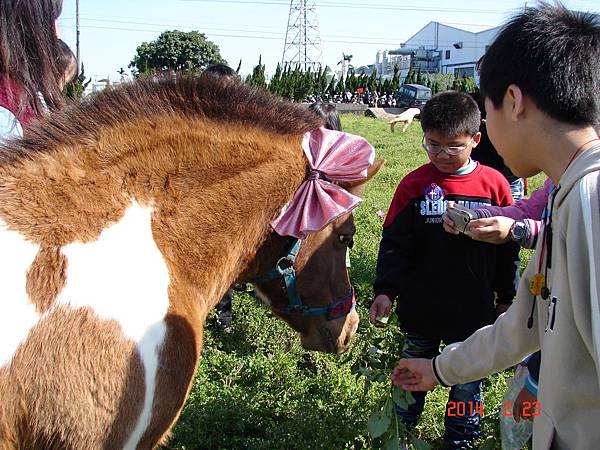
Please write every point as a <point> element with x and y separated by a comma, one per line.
<point>123,221</point>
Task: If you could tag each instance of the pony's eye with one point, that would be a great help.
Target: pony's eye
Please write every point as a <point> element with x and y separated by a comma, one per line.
<point>347,240</point>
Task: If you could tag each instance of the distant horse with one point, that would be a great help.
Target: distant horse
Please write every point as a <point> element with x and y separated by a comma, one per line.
<point>123,221</point>
<point>406,117</point>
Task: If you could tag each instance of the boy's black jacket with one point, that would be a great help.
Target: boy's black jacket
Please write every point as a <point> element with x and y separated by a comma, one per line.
<point>444,284</point>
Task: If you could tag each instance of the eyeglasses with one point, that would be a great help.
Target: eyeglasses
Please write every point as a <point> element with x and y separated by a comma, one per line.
<point>434,149</point>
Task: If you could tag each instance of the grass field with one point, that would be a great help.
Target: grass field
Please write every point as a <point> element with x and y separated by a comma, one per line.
<point>257,389</point>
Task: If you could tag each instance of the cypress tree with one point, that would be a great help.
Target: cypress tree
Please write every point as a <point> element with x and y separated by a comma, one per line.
<point>419,77</point>
<point>258,75</point>
<point>75,88</point>
<point>395,84</point>
<point>275,84</point>
<point>409,77</point>
<point>351,82</point>
<point>456,84</point>
<point>387,86</point>
<point>331,87</point>
<point>372,81</point>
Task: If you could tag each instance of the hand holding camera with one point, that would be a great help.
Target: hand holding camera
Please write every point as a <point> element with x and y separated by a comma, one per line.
<point>460,216</point>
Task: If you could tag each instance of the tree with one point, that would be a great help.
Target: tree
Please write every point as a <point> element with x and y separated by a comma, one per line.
<point>468,84</point>
<point>419,77</point>
<point>456,85</point>
<point>409,77</point>
<point>351,82</point>
<point>258,75</point>
<point>341,86</point>
<point>175,51</point>
<point>74,89</point>
<point>321,81</point>
<point>275,84</point>
<point>372,81</point>
<point>386,88</point>
<point>331,87</point>
<point>395,84</point>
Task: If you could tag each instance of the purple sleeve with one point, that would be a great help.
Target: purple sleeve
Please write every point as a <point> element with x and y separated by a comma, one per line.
<point>527,208</point>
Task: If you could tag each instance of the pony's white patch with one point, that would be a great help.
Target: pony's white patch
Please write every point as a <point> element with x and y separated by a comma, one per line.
<point>123,277</point>
<point>17,314</point>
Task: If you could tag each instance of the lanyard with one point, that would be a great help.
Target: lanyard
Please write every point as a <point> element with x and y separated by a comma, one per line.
<point>539,282</point>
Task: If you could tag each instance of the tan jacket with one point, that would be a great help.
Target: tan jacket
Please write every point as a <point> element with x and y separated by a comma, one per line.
<point>566,326</point>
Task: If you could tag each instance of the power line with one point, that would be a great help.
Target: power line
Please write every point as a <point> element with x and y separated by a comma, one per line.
<point>197,27</point>
<point>133,21</point>
<point>359,6</point>
<point>378,39</point>
<point>383,43</point>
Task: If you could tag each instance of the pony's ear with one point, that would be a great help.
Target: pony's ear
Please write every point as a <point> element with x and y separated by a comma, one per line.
<point>358,187</point>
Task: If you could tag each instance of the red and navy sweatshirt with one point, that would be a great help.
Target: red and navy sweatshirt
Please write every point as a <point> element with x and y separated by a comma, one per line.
<point>445,284</point>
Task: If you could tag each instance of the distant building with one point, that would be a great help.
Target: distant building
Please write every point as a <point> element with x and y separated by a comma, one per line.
<point>437,48</point>
<point>99,83</point>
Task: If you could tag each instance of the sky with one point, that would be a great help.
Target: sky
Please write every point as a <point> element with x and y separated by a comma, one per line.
<point>246,29</point>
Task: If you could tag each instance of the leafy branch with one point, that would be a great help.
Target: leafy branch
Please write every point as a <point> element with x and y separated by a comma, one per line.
<point>376,362</point>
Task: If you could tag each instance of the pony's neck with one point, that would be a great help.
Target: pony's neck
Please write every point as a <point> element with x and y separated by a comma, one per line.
<point>219,191</point>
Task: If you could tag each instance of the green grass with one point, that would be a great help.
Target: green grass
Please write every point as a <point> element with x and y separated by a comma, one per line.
<point>257,389</point>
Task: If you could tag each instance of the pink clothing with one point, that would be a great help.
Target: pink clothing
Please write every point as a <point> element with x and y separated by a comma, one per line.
<point>9,93</point>
<point>332,156</point>
<point>531,208</point>
<point>526,209</point>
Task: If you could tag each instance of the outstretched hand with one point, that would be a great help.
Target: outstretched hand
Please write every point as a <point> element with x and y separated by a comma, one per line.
<point>381,307</point>
<point>493,230</point>
<point>415,374</point>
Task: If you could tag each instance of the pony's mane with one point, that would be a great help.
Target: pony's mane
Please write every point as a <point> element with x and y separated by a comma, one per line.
<point>215,98</point>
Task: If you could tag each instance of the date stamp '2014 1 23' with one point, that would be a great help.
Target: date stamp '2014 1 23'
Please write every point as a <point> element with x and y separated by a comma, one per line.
<point>460,409</point>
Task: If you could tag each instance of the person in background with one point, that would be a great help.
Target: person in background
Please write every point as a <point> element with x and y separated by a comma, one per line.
<point>30,54</point>
<point>486,153</point>
<point>446,286</point>
<point>220,70</point>
<point>68,63</point>
<point>329,113</point>
<point>541,116</point>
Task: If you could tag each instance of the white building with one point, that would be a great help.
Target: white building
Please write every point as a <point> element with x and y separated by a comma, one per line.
<point>440,48</point>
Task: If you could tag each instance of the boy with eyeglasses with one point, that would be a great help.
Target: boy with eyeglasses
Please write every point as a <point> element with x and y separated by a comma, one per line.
<point>446,286</point>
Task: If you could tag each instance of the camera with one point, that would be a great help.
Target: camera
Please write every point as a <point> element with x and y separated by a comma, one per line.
<point>461,217</point>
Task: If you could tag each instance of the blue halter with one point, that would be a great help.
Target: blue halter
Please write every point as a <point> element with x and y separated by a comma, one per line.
<point>285,268</point>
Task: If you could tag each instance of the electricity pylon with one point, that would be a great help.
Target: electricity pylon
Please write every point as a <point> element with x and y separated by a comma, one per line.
<point>302,39</point>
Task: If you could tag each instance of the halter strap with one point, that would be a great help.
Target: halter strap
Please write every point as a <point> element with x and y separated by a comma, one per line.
<point>284,268</point>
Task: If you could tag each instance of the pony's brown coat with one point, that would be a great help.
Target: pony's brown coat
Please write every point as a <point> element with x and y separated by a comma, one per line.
<point>217,162</point>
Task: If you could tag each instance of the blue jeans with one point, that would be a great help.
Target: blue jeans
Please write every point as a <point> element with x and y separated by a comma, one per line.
<point>462,417</point>
<point>517,189</point>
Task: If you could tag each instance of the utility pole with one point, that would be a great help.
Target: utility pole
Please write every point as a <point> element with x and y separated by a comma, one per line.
<point>302,46</point>
<point>78,53</point>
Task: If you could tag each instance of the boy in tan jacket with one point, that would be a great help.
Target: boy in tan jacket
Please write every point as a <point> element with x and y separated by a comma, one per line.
<point>541,82</point>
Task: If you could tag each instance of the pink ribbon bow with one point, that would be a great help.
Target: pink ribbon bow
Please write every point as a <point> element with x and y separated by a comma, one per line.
<point>332,155</point>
